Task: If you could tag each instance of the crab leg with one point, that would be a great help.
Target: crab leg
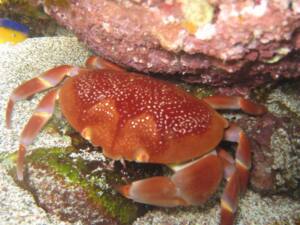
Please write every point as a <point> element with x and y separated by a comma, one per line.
<point>189,185</point>
<point>49,79</point>
<point>229,199</point>
<point>95,62</point>
<point>243,153</point>
<point>234,102</point>
<point>236,134</point>
<point>37,121</point>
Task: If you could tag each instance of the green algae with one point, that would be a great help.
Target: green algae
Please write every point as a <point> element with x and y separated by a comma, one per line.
<point>202,91</point>
<point>198,90</point>
<point>55,159</point>
<point>21,9</point>
<point>59,3</point>
<point>78,172</point>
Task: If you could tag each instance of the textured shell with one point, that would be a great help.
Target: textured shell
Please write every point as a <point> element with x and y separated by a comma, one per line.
<point>136,117</point>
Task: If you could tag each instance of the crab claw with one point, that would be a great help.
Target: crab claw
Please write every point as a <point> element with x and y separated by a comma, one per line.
<point>159,191</point>
<point>189,185</point>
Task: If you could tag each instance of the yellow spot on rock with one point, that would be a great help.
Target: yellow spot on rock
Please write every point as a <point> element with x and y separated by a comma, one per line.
<point>197,13</point>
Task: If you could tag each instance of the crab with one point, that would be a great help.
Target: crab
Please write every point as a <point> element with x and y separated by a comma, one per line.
<point>138,118</point>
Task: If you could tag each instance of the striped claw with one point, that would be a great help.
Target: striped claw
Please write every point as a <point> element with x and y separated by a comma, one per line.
<point>159,191</point>
<point>189,185</point>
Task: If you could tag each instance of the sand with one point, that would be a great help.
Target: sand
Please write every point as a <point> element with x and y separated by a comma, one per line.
<point>20,63</point>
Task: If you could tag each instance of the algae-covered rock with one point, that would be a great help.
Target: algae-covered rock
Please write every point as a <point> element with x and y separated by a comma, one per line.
<point>60,3</point>
<point>78,185</point>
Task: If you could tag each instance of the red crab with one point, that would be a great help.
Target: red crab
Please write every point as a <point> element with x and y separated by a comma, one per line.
<point>138,118</point>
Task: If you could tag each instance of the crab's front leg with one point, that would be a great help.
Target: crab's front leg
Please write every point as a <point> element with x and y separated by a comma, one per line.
<point>44,110</point>
<point>37,121</point>
<point>50,79</point>
<point>46,80</point>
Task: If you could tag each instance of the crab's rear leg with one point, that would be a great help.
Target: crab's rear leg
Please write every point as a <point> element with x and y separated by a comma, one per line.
<point>234,102</point>
<point>44,110</point>
<point>236,134</point>
<point>37,121</point>
<point>243,153</point>
<point>237,172</point>
<point>230,196</point>
<point>48,79</point>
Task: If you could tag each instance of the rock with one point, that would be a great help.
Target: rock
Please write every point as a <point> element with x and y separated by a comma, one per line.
<point>275,139</point>
<point>220,43</point>
<point>79,185</point>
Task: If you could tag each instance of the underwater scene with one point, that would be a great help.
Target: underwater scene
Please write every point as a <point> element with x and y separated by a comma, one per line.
<point>135,112</point>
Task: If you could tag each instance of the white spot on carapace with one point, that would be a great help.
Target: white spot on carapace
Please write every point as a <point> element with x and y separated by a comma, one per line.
<point>173,111</point>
